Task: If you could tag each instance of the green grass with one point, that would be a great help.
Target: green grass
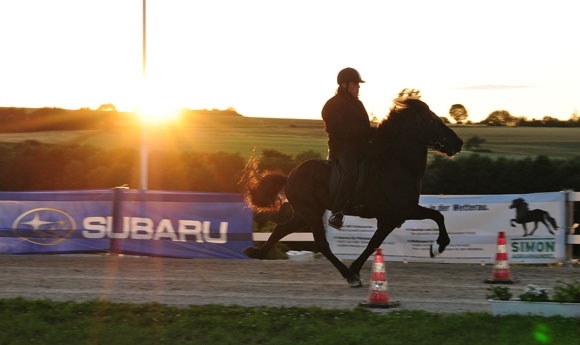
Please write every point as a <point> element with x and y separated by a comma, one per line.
<point>98,322</point>
<point>293,136</point>
<point>230,135</point>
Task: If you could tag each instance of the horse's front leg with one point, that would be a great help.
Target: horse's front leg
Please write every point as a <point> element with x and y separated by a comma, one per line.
<point>536,226</point>
<point>525,229</point>
<point>443,239</point>
<point>512,222</point>
<point>383,230</point>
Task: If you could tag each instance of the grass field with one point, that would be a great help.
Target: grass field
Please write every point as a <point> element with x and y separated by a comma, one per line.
<point>293,136</point>
<point>100,322</point>
<point>525,141</point>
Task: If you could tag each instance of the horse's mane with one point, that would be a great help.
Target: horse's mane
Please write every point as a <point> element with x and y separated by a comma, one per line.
<point>522,204</point>
<point>388,129</point>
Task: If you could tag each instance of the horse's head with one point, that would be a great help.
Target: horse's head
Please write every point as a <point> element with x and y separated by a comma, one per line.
<point>422,125</point>
<point>517,203</point>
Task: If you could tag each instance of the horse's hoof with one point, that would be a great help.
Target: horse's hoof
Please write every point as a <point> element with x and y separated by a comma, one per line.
<point>251,252</point>
<point>355,282</point>
<point>434,249</point>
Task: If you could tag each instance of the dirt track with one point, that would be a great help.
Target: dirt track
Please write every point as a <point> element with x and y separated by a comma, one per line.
<point>447,288</point>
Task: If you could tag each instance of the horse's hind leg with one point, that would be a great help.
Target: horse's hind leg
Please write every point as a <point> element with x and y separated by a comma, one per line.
<point>547,221</point>
<point>535,227</point>
<point>279,232</point>
<point>324,248</point>
<point>547,226</point>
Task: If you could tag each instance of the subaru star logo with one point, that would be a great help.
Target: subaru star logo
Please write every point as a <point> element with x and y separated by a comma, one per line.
<point>44,226</point>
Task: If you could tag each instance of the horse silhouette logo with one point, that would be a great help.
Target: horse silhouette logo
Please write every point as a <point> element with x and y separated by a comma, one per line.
<point>525,215</point>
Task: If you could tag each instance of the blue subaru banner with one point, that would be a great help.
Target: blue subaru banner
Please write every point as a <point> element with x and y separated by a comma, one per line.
<point>159,223</point>
<point>51,221</point>
<point>190,225</point>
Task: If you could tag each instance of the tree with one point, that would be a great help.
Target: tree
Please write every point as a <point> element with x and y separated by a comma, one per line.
<point>374,119</point>
<point>107,107</point>
<point>458,113</point>
<point>575,117</point>
<point>499,118</point>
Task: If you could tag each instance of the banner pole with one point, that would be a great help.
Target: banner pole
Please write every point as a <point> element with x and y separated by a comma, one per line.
<point>144,150</point>
<point>117,220</point>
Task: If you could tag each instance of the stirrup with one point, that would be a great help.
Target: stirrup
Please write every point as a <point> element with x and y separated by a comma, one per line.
<point>336,220</point>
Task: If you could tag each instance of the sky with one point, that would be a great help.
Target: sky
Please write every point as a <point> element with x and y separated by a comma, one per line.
<point>280,58</point>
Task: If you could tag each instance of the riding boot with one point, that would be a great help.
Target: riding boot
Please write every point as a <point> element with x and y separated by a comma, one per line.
<point>337,218</point>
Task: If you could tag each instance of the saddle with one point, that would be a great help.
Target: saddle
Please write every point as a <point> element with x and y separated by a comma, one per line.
<point>355,202</point>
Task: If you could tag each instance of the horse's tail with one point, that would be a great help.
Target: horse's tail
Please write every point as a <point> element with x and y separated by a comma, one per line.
<point>552,221</point>
<point>262,191</point>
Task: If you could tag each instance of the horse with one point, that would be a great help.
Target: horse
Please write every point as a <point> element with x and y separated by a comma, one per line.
<point>395,166</point>
<point>525,215</point>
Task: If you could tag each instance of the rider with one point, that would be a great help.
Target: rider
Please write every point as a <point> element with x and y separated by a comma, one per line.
<point>349,131</point>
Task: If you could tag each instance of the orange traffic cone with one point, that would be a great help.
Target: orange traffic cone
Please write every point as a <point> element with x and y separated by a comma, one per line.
<point>501,270</point>
<point>378,292</point>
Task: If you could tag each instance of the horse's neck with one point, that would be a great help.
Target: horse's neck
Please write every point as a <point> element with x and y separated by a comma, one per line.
<point>412,157</point>
<point>415,161</point>
<point>393,144</point>
<point>522,211</point>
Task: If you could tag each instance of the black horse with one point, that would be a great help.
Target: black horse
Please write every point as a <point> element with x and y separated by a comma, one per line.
<point>525,215</point>
<point>396,164</point>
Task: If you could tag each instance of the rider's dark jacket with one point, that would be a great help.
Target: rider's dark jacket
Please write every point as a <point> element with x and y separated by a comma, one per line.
<point>347,123</point>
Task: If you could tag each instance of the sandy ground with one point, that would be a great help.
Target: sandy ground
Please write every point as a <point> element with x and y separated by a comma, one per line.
<point>446,288</point>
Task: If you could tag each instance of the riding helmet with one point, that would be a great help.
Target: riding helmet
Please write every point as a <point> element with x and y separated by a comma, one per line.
<point>348,75</point>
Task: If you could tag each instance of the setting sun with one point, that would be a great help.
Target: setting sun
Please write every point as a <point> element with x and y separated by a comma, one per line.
<point>156,105</point>
<point>158,113</point>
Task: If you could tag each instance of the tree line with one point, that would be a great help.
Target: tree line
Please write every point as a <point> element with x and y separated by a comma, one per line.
<point>31,165</point>
<point>14,120</point>
<point>503,118</point>
<point>106,116</point>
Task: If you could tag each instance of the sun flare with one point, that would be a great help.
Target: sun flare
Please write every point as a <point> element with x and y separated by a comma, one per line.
<point>158,113</point>
<point>157,107</point>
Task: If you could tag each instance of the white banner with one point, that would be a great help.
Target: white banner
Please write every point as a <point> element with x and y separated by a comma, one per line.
<point>473,223</point>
